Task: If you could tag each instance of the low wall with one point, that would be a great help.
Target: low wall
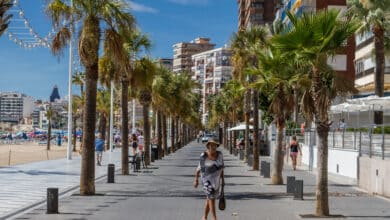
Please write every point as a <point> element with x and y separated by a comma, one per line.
<point>340,161</point>
<point>374,175</point>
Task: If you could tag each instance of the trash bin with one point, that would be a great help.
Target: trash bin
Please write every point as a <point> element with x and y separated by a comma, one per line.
<point>152,156</point>
<point>155,151</point>
<point>111,173</point>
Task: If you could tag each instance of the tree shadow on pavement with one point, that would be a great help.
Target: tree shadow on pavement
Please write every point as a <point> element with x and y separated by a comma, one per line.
<point>253,195</point>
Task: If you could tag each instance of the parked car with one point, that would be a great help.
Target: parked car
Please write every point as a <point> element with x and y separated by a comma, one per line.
<point>206,137</point>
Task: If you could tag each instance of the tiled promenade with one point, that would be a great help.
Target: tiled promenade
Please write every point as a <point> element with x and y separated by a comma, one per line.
<point>165,192</point>
<point>25,185</point>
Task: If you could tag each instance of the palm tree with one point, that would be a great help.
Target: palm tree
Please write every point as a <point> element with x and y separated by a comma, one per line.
<point>133,43</point>
<point>108,72</point>
<point>313,38</point>
<point>245,45</point>
<point>276,78</point>
<point>79,79</point>
<point>97,16</point>
<point>144,74</point>
<point>375,15</point>
<point>5,5</point>
<point>233,94</point>
<point>161,97</point>
<point>76,113</point>
<point>103,108</point>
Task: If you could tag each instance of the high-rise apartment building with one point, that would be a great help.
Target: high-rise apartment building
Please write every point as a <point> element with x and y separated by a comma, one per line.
<point>365,66</point>
<point>13,106</point>
<point>343,62</point>
<point>255,12</point>
<point>166,63</point>
<point>183,51</point>
<point>212,69</point>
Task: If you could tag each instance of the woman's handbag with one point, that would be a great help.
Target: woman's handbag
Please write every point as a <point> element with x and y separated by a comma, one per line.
<point>222,200</point>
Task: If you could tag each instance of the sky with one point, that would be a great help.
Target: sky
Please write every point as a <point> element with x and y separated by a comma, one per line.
<point>35,71</point>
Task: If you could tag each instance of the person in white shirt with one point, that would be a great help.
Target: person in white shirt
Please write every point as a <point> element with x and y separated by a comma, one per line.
<point>140,143</point>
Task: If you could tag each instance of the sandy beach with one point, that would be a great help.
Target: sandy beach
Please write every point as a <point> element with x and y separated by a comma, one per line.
<point>27,152</point>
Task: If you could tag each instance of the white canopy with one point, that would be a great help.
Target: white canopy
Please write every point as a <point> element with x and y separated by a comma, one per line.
<point>347,107</point>
<point>377,103</point>
<point>362,104</point>
<point>240,128</point>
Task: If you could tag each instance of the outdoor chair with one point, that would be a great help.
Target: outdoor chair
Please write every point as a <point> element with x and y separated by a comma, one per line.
<point>133,161</point>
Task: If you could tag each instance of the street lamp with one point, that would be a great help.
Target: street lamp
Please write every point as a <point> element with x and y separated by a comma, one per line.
<point>70,99</point>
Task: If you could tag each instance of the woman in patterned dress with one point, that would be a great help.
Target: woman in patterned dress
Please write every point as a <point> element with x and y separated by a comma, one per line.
<point>211,170</point>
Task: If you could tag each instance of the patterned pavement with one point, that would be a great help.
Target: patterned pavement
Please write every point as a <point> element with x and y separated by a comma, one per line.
<point>24,186</point>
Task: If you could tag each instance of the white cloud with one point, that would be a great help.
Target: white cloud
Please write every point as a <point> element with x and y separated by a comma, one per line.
<point>142,8</point>
<point>190,2</point>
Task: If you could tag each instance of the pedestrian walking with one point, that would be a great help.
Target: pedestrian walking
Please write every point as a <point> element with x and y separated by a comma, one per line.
<point>294,149</point>
<point>99,148</point>
<point>210,169</point>
<point>141,142</point>
<point>134,143</point>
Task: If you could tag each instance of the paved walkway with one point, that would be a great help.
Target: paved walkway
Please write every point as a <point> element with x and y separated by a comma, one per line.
<point>23,186</point>
<point>165,192</point>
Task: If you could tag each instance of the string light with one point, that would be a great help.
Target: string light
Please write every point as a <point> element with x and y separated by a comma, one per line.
<point>35,40</point>
<point>26,37</point>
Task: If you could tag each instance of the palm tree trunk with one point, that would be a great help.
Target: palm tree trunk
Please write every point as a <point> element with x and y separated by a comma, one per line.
<point>322,203</point>
<point>103,125</point>
<point>182,135</point>
<point>177,130</point>
<point>159,135</point>
<point>173,134</point>
<point>145,113</point>
<point>107,139</point>
<point>125,127</point>
<point>231,142</point>
<point>247,116</point>
<point>379,69</point>
<point>87,177</point>
<point>277,170</point>
<point>48,135</point>
<point>74,134</point>
<point>225,135</point>
<point>164,134</point>
<point>296,107</point>
<point>255,129</point>
<point>322,200</point>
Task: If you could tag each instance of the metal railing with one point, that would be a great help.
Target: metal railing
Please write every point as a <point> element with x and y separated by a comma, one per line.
<point>371,140</point>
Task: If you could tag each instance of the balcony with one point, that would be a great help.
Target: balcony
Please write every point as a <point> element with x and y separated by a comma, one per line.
<point>365,73</point>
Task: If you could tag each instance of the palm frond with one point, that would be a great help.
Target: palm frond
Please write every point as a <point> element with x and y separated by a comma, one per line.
<point>60,40</point>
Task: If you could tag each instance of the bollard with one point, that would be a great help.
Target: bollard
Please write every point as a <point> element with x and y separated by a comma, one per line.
<point>290,184</point>
<point>52,201</point>
<point>298,190</point>
<point>111,173</point>
<point>262,165</point>
<point>250,160</point>
<point>241,154</point>
<point>267,170</point>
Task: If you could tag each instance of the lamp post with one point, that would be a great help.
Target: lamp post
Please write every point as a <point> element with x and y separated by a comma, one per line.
<point>70,99</point>
<point>111,117</point>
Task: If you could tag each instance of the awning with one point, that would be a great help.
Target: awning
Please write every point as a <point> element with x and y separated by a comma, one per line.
<point>240,128</point>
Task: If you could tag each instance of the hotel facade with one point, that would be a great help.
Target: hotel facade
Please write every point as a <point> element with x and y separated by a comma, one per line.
<point>211,69</point>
